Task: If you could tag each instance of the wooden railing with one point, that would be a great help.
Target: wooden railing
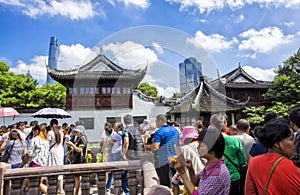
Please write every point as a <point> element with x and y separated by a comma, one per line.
<point>11,179</point>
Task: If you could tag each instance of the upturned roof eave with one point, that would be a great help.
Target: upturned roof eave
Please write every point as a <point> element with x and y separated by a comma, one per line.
<point>191,102</point>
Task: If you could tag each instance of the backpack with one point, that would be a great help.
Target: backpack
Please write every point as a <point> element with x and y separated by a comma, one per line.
<point>136,144</point>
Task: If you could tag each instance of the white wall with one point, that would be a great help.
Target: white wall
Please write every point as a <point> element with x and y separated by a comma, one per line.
<point>140,108</point>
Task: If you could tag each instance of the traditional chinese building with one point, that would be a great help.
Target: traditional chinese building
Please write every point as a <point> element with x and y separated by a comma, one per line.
<point>229,94</point>
<point>239,85</point>
<point>100,84</point>
<point>202,102</point>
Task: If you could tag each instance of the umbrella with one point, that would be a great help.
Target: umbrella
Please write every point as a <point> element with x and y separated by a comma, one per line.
<point>8,111</point>
<point>51,113</point>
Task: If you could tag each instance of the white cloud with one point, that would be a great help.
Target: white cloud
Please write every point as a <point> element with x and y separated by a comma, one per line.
<point>212,5</point>
<point>130,54</point>
<point>166,92</point>
<point>157,47</point>
<point>18,3</point>
<point>69,58</point>
<point>72,56</point>
<point>111,2</point>
<point>137,3</point>
<point>201,20</point>
<point>263,40</point>
<point>134,56</point>
<point>240,18</point>
<point>212,43</point>
<point>202,5</point>
<point>37,68</point>
<point>260,74</point>
<point>73,9</point>
<point>289,24</point>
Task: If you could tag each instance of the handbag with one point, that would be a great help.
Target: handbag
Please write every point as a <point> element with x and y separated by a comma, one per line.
<point>242,171</point>
<point>6,155</point>
<point>72,155</point>
<point>271,172</point>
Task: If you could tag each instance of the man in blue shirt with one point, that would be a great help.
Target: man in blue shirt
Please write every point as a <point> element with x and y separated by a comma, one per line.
<point>165,138</point>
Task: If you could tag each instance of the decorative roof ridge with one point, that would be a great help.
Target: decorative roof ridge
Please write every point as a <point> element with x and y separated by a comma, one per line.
<point>195,102</point>
<point>64,72</point>
<point>164,101</point>
<point>97,59</point>
<point>145,97</point>
<point>224,97</point>
<point>189,94</point>
<point>234,74</point>
<point>247,75</point>
<point>76,72</point>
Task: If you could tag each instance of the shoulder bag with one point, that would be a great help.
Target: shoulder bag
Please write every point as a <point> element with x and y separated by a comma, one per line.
<point>271,172</point>
<point>6,155</point>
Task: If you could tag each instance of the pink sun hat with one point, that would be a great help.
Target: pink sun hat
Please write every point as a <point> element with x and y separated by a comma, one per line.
<point>189,132</point>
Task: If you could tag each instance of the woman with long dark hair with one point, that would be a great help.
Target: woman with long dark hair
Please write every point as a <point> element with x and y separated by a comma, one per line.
<point>56,155</point>
<point>38,151</point>
<point>274,173</point>
<point>17,147</point>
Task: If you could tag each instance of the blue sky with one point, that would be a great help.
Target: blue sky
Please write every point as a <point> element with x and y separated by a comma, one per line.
<point>258,34</point>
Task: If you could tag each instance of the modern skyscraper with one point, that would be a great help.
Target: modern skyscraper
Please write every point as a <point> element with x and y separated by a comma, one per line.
<point>52,59</point>
<point>28,74</point>
<point>190,71</point>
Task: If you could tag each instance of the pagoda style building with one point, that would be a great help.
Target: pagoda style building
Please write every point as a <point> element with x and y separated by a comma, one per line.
<point>202,102</point>
<point>239,85</point>
<point>99,84</point>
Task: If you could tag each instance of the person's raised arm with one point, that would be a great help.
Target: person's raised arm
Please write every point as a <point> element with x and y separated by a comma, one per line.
<point>189,186</point>
<point>192,174</point>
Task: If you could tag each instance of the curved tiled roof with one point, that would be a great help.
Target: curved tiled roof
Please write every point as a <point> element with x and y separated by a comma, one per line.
<point>204,98</point>
<point>239,78</point>
<point>99,68</point>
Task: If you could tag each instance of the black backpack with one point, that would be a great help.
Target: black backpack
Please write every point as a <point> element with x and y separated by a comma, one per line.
<point>136,144</point>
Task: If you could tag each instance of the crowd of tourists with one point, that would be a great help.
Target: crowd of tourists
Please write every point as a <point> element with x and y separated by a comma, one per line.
<point>203,160</point>
<point>40,145</point>
<point>216,159</point>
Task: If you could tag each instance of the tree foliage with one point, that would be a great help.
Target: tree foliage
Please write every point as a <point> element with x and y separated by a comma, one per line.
<point>19,91</point>
<point>51,95</point>
<point>148,89</point>
<point>283,95</point>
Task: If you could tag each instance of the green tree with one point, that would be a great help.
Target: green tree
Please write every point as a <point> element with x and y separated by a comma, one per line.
<point>283,95</point>
<point>148,89</point>
<point>286,85</point>
<point>16,90</point>
<point>51,95</point>
<point>19,91</point>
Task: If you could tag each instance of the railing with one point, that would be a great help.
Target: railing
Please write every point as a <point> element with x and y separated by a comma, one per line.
<point>11,180</point>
